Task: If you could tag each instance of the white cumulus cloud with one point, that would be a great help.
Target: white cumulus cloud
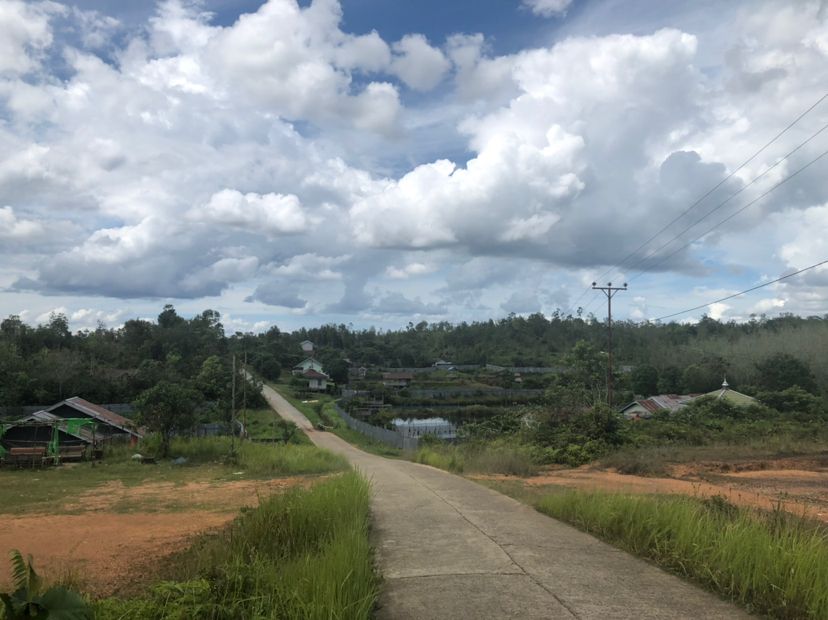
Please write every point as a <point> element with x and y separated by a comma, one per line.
<point>547,8</point>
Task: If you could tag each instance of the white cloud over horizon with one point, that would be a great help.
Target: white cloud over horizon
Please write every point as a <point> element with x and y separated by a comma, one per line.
<point>282,168</point>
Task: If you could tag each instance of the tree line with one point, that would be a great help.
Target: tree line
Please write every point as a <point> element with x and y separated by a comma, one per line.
<point>48,362</point>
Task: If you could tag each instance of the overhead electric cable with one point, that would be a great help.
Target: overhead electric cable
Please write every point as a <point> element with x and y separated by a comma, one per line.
<point>728,199</point>
<point>734,214</point>
<point>701,198</point>
<point>754,288</point>
<point>720,183</point>
<point>729,217</point>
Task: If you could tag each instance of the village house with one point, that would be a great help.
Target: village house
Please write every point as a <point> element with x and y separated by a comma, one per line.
<point>646,407</point>
<point>69,430</point>
<point>109,424</point>
<point>359,372</point>
<point>308,364</point>
<point>317,381</point>
<point>397,379</point>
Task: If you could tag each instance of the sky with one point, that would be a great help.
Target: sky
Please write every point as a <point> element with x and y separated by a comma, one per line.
<point>380,162</point>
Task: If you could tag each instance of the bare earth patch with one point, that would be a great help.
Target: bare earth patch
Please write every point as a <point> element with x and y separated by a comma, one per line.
<point>121,532</point>
<point>797,485</point>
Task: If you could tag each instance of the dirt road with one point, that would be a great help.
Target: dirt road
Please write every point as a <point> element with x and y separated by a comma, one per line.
<point>450,548</point>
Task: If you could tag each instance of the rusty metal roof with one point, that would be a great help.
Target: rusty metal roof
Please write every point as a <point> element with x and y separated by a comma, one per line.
<point>312,374</point>
<point>670,402</point>
<point>99,413</point>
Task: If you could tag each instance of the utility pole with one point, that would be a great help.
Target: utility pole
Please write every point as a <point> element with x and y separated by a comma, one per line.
<point>233,408</point>
<point>609,290</point>
<point>244,392</point>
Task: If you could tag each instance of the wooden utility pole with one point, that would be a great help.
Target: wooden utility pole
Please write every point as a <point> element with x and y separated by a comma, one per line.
<point>244,392</point>
<point>233,408</point>
<point>609,290</point>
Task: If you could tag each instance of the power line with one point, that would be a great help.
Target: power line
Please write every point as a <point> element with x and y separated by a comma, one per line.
<point>729,217</point>
<point>734,214</point>
<point>723,181</point>
<point>726,200</point>
<point>790,275</point>
<point>700,199</point>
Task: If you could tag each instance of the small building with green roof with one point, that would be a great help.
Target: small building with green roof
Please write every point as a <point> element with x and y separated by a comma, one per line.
<point>732,396</point>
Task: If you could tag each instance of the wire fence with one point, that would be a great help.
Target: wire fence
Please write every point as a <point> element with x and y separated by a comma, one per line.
<point>383,435</point>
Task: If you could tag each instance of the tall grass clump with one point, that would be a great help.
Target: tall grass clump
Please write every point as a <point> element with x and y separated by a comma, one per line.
<point>490,457</point>
<point>774,564</point>
<point>443,457</point>
<point>301,554</point>
<point>258,459</point>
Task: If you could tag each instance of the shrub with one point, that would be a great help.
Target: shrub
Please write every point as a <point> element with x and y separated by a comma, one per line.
<point>31,600</point>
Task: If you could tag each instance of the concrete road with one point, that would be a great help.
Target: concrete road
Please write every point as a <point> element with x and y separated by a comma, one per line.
<point>450,548</point>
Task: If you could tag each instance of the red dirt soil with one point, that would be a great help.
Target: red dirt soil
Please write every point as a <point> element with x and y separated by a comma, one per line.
<point>796,485</point>
<point>106,552</point>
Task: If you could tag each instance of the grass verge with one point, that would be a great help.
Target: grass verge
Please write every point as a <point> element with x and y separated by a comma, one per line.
<point>258,459</point>
<point>774,564</point>
<point>301,554</point>
<point>490,457</point>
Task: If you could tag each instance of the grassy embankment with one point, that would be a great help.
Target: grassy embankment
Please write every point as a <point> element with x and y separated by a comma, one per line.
<point>208,459</point>
<point>774,564</point>
<point>301,554</point>
<point>491,457</point>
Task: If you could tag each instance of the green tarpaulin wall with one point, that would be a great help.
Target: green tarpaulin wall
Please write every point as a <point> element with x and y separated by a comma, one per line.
<point>67,425</point>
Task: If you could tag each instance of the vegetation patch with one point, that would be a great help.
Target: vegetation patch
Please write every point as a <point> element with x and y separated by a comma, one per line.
<point>301,554</point>
<point>258,459</point>
<point>265,425</point>
<point>494,457</point>
<point>773,563</point>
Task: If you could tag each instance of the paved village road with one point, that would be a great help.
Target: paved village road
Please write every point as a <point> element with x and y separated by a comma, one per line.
<point>450,548</point>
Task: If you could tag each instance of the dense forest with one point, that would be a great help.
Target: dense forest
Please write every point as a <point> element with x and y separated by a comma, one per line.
<point>45,363</point>
<point>670,358</point>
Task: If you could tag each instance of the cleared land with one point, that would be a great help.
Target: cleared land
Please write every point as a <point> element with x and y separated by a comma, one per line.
<point>106,527</point>
<point>109,539</point>
<point>796,484</point>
